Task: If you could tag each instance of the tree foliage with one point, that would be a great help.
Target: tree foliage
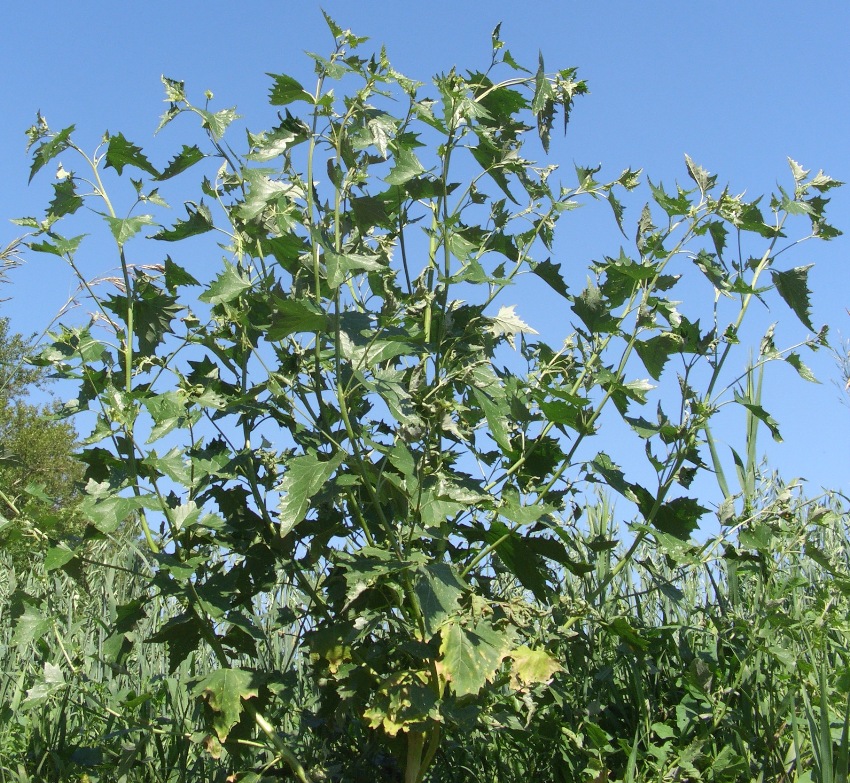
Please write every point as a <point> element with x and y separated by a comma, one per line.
<point>39,472</point>
<point>351,405</point>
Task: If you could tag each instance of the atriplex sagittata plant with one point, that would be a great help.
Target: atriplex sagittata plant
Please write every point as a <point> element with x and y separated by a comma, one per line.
<point>352,410</point>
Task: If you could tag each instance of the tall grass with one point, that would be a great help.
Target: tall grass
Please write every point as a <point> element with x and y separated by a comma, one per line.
<point>723,661</point>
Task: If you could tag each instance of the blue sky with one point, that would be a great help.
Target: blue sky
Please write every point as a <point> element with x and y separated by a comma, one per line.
<point>737,86</point>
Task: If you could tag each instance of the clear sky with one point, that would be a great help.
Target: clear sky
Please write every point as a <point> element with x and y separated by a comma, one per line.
<point>738,86</point>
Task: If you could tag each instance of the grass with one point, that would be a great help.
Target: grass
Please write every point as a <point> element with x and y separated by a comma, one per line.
<point>725,661</point>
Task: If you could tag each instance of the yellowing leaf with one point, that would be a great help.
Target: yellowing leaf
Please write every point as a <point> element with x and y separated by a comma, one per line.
<point>532,666</point>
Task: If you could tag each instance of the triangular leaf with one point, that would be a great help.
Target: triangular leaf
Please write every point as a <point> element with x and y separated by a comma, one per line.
<point>187,157</point>
<point>406,167</point>
<point>506,323</point>
<point>50,149</point>
<point>303,478</point>
<point>65,200</point>
<point>124,229</point>
<point>793,288</point>
<point>286,90</point>
<point>226,287</point>
<point>199,222</point>
<point>121,152</point>
<point>551,274</point>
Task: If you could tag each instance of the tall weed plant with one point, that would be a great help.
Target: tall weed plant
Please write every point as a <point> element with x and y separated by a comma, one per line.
<point>365,485</point>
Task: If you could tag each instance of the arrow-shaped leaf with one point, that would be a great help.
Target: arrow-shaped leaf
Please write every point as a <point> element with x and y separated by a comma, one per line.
<point>226,287</point>
<point>121,152</point>
<point>794,289</point>
<point>304,477</point>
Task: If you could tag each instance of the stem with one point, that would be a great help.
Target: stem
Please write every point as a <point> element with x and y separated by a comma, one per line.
<point>412,767</point>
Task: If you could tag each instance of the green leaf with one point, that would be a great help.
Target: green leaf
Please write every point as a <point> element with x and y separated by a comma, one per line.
<point>174,90</point>
<point>51,681</point>
<point>543,104</point>
<point>182,634</point>
<point>678,205</point>
<point>226,287</point>
<point>153,310</point>
<point>655,352</point>
<point>761,414</point>
<point>594,311</point>
<point>439,590</point>
<point>797,363</point>
<point>61,246</point>
<point>199,222</point>
<point>492,159</point>
<point>708,264</point>
<point>168,411</point>
<point>58,556</point>
<point>176,275</point>
<point>339,265</point>
<point>65,199</point>
<point>704,180</point>
<point>218,122</point>
<point>187,157</point>
<point>551,274</point>
<point>679,517</point>
<point>471,656</point>
<point>286,90</point>
<point>303,478</point>
<point>794,289</point>
<point>520,559</point>
<point>29,626</point>
<point>121,152</point>
<point>124,229</point>
<point>497,422</point>
<point>174,465</point>
<point>224,690</point>
<point>50,149</point>
<point>290,316</point>
<point>335,29</point>
<point>406,166</point>
<point>107,513</point>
